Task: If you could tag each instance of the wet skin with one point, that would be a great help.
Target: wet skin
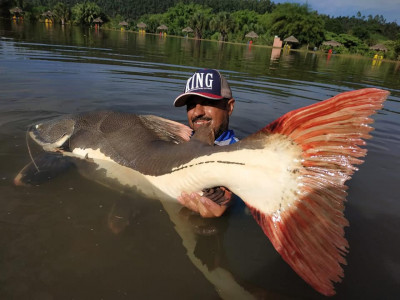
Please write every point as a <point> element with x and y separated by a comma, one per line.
<point>201,111</point>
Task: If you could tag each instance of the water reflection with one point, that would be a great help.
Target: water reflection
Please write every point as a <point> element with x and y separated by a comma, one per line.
<point>275,53</point>
<point>249,55</point>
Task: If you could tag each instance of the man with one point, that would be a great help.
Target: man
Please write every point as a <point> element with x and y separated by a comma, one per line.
<point>208,100</point>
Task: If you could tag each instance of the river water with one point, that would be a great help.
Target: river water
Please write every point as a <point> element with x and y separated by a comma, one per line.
<point>71,238</point>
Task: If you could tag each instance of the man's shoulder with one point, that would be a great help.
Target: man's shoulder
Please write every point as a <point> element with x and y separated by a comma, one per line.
<point>226,138</point>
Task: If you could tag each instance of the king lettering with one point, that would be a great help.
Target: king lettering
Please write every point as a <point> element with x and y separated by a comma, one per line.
<point>198,81</point>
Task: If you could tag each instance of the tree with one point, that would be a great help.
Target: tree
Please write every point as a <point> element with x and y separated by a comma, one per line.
<point>361,32</point>
<point>199,22</point>
<point>223,23</point>
<point>397,48</point>
<point>353,43</point>
<point>245,21</point>
<point>152,22</point>
<point>178,16</point>
<point>295,19</point>
<point>85,13</point>
<point>5,7</point>
<point>62,12</point>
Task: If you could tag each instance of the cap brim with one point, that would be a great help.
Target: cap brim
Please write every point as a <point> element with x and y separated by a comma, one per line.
<point>182,99</point>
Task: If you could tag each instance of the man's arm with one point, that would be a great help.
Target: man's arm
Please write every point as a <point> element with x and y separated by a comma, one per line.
<point>209,203</point>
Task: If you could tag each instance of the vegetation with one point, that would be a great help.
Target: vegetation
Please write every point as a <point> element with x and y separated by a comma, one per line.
<point>226,20</point>
<point>222,23</point>
<point>62,12</point>
<point>297,20</point>
<point>84,13</point>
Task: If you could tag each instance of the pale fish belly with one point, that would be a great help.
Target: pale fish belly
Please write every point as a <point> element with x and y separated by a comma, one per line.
<point>267,178</point>
<point>124,175</point>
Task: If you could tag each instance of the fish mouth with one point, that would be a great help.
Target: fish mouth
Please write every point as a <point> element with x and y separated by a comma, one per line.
<point>60,145</point>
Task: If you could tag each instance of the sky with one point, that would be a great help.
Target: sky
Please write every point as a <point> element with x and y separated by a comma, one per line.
<point>390,9</point>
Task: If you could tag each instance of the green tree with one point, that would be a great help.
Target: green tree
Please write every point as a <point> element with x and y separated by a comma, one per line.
<point>397,46</point>
<point>199,22</point>
<point>297,20</point>
<point>352,43</point>
<point>245,17</point>
<point>85,13</point>
<point>62,12</point>
<point>361,32</point>
<point>397,49</point>
<point>152,22</point>
<point>223,23</point>
<point>177,17</point>
<point>244,22</point>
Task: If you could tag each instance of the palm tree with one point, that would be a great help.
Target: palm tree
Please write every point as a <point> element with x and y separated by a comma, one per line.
<point>199,22</point>
<point>223,23</point>
<point>85,13</point>
<point>62,12</point>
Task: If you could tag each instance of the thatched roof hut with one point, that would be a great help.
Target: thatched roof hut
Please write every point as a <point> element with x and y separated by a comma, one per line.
<point>141,25</point>
<point>98,20</point>
<point>332,43</point>
<point>123,23</point>
<point>16,10</point>
<point>187,29</point>
<point>291,39</point>
<point>162,27</point>
<point>252,35</point>
<point>379,47</point>
<point>48,14</point>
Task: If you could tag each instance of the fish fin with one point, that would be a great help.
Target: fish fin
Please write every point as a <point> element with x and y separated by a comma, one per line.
<point>167,130</point>
<point>309,232</point>
<point>204,134</point>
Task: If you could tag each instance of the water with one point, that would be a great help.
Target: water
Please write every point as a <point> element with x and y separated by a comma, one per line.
<point>59,238</point>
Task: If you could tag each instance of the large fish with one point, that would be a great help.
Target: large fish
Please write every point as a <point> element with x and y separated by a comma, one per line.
<point>291,174</point>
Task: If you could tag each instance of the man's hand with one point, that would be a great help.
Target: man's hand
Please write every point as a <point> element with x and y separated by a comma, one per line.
<point>210,204</point>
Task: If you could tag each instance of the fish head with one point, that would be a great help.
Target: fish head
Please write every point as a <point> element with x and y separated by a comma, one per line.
<point>54,134</point>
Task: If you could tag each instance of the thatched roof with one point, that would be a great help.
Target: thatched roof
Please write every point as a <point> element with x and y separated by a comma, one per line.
<point>16,10</point>
<point>123,23</point>
<point>141,25</point>
<point>252,34</point>
<point>98,20</point>
<point>378,47</point>
<point>48,14</point>
<point>332,43</point>
<point>291,39</point>
<point>162,27</point>
<point>187,29</point>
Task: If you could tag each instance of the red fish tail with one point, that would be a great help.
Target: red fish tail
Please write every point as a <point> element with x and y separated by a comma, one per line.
<point>309,233</point>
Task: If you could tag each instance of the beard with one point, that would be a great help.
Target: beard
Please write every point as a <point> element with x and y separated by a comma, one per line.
<point>217,130</point>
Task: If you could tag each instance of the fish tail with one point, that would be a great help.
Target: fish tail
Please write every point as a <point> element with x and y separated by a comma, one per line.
<point>308,229</point>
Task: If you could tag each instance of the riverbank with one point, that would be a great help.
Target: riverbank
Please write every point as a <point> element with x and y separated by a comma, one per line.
<point>301,50</point>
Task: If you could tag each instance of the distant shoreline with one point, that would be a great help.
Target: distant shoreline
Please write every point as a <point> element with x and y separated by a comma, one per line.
<point>358,56</point>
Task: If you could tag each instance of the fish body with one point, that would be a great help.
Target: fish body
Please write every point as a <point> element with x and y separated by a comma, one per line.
<point>132,154</point>
<point>291,174</point>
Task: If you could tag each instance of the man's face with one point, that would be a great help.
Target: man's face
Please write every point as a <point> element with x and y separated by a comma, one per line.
<point>201,111</point>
